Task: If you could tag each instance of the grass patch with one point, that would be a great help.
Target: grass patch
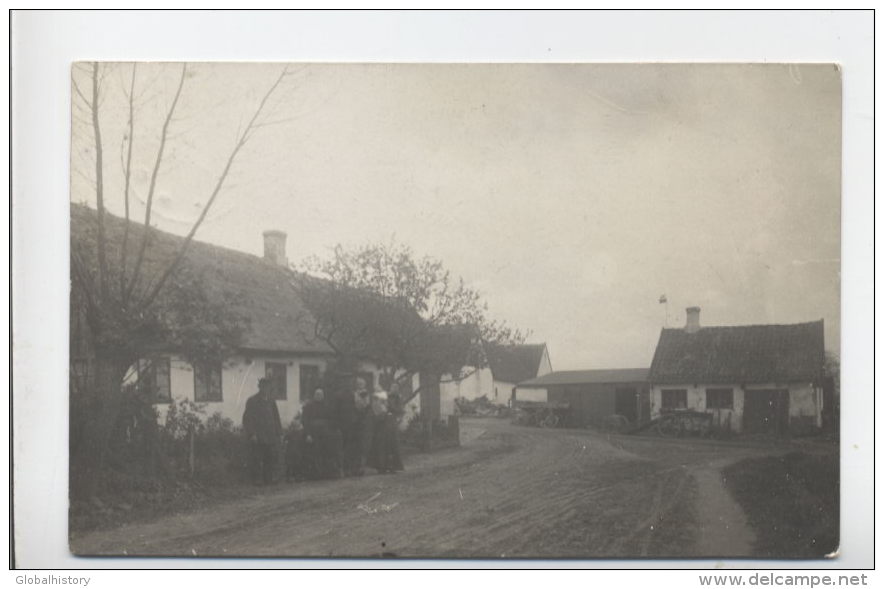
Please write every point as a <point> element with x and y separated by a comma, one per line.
<point>791,501</point>
<point>127,499</point>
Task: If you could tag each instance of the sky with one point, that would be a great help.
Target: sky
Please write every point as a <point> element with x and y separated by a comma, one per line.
<point>572,196</point>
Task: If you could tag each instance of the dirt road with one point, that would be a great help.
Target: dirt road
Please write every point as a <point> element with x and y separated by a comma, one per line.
<point>509,491</point>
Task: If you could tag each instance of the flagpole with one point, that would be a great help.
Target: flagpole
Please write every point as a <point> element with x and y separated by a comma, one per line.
<point>664,300</point>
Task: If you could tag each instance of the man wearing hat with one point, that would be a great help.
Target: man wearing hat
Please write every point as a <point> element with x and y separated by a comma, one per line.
<point>263,430</point>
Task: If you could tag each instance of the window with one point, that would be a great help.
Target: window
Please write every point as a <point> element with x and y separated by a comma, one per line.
<point>276,372</point>
<point>309,380</point>
<point>207,383</point>
<point>154,377</point>
<point>719,398</point>
<point>675,398</point>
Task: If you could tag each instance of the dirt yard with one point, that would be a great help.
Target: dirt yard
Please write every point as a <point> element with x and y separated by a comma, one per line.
<point>509,491</point>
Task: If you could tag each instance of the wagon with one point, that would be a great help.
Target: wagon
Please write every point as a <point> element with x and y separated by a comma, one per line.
<point>541,414</point>
<point>684,423</point>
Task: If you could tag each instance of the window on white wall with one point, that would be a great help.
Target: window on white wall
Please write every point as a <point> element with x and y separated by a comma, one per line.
<point>719,398</point>
<point>674,398</point>
<point>154,376</point>
<point>207,383</point>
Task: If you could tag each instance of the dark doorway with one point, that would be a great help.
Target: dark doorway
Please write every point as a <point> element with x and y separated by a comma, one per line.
<point>626,403</point>
<point>644,406</point>
<point>766,412</point>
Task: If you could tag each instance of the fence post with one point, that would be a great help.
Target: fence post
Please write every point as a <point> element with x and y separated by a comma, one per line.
<point>454,427</point>
<point>191,459</point>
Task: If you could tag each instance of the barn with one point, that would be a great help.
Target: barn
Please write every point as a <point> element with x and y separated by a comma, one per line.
<point>595,395</point>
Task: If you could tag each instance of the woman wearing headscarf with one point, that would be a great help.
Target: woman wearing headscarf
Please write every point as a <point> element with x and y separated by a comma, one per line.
<point>323,436</point>
<point>380,447</point>
<point>396,410</point>
<point>385,448</point>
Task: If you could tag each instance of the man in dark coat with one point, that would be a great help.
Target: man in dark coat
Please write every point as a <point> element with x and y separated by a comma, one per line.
<point>263,430</point>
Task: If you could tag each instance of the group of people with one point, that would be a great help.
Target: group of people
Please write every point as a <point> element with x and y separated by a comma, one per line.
<point>341,434</point>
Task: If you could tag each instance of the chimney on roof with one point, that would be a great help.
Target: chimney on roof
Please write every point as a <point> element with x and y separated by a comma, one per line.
<point>274,247</point>
<point>692,321</point>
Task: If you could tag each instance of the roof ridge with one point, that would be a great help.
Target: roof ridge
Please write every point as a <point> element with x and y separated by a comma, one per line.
<point>599,369</point>
<point>748,325</point>
<point>139,226</point>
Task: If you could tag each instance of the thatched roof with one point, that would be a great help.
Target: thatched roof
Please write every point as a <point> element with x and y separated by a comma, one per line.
<point>740,354</point>
<point>278,319</point>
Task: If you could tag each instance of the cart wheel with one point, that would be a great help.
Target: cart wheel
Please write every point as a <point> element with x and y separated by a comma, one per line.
<point>667,428</point>
<point>551,420</point>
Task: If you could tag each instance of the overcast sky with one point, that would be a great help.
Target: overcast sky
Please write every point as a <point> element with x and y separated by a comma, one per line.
<point>572,196</point>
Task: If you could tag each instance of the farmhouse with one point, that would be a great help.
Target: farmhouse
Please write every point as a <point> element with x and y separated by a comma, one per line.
<point>595,395</point>
<point>279,341</point>
<point>751,378</point>
<point>507,365</point>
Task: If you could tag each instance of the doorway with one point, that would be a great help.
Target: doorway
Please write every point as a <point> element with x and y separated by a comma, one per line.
<point>766,412</point>
<point>626,403</point>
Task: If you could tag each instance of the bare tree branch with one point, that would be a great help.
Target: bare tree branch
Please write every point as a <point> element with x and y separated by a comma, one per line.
<point>80,92</point>
<point>152,294</point>
<point>99,185</point>
<point>128,176</point>
<point>84,176</point>
<point>275,122</point>
<point>150,191</point>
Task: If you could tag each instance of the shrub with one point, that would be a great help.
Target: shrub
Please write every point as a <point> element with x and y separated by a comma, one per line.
<point>220,453</point>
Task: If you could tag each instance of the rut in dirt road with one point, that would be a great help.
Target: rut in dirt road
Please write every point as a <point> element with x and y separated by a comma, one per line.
<point>510,492</point>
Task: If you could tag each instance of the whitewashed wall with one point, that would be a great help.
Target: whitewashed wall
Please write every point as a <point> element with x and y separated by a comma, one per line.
<point>545,366</point>
<point>804,401</point>
<point>239,381</point>
<point>537,395</point>
<point>534,395</point>
<point>477,384</point>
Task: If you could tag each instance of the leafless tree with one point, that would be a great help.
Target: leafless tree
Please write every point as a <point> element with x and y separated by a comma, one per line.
<point>122,304</point>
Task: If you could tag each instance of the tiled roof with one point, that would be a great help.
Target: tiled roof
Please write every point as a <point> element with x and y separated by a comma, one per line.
<point>740,354</point>
<point>278,319</point>
<point>575,377</point>
<point>515,363</point>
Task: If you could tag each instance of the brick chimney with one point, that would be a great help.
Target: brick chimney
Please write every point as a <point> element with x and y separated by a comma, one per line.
<point>274,247</point>
<point>692,321</point>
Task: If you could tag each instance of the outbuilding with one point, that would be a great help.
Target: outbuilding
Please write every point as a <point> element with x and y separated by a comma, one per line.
<point>596,395</point>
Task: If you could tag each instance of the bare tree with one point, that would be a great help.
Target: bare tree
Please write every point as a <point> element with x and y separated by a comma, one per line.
<point>129,310</point>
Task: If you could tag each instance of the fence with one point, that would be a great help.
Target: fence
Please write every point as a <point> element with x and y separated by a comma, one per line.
<point>427,435</point>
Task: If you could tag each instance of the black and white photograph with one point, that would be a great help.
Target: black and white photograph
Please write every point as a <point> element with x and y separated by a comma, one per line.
<point>455,310</point>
